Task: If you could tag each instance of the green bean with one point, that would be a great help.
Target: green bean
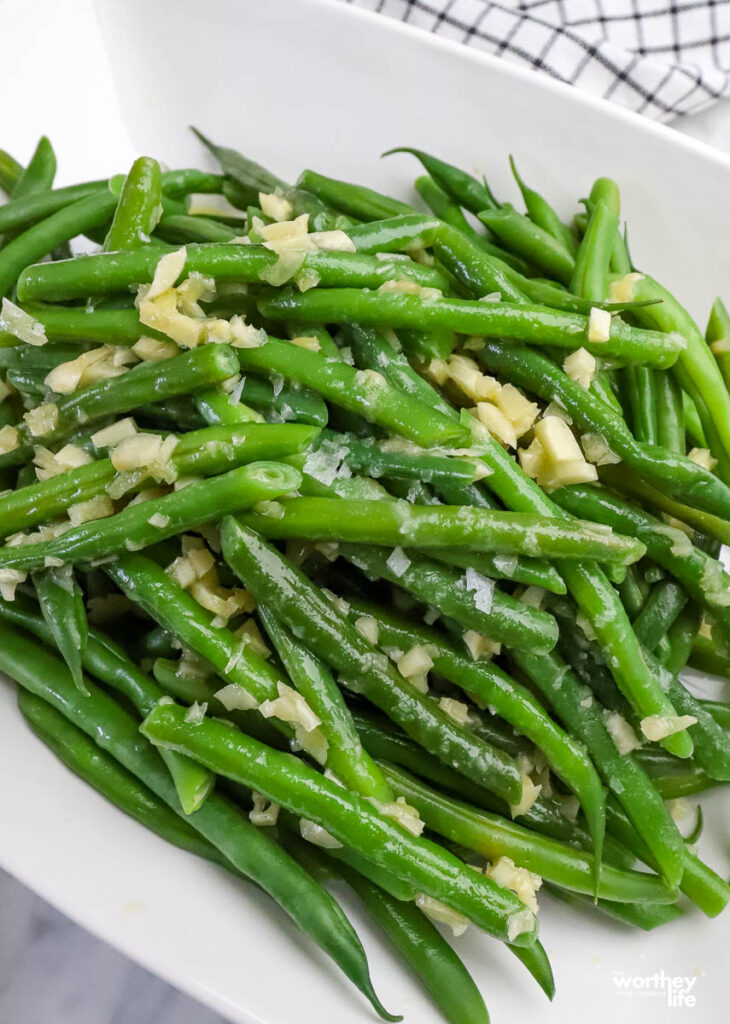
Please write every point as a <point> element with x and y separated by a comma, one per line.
<point>308,614</point>
<point>104,660</point>
<point>401,233</point>
<point>525,238</point>
<point>474,195</point>
<point>665,602</point>
<point>354,200</point>
<point>28,210</point>
<point>641,402</point>
<point>622,775</point>
<point>717,337</point>
<point>490,613</point>
<point>62,605</point>
<point>480,273</point>
<point>349,818</point>
<point>494,837</point>
<point>488,684</point>
<point>669,412</point>
<point>412,526</point>
<point>541,213</point>
<point>450,213</point>
<point>367,393</point>
<point>681,637</point>
<point>217,408</point>
<point>217,820</point>
<point>373,352</point>
<point>181,228</point>
<point>528,571</point>
<point>38,359</point>
<point>696,369</point>
<point>151,521</point>
<point>105,272</point>
<point>37,241</point>
<point>673,473</point>
<point>10,172</point>
<point>533,324</point>
<point>719,711</point>
<point>704,655</point>
<point>101,771</point>
<point>146,382</point>
<point>252,178</point>
<point>694,427</point>
<point>380,459</point>
<point>312,678</point>
<point>593,259</point>
<point>280,402</point>
<point>85,324</point>
<point>36,178</point>
<point>205,452</point>
<point>646,916</point>
<point>427,952</point>
<point>702,576</point>
<point>139,207</point>
<point>621,478</point>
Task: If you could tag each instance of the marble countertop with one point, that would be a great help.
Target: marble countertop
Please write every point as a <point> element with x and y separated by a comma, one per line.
<point>85,981</point>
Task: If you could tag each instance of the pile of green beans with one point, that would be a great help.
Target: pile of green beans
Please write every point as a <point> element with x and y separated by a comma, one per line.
<point>369,543</point>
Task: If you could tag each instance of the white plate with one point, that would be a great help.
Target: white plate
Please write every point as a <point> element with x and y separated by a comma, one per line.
<point>296,83</point>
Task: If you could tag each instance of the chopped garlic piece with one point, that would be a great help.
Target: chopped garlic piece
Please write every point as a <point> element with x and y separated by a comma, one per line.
<point>520,411</point>
<point>658,727</point>
<point>159,520</point>
<point>402,812</point>
<point>313,833</point>
<point>465,373</point>
<point>264,812</point>
<point>167,271</point>
<point>21,325</point>
<point>154,350</point>
<point>249,632</point>
<point>438,369</point>
<point>530,793</point>
<point>580,366</point>
<point>275,206</point>
<point>523,883</point>
<point>115,433</point>
<point>623,736</point>
<point>522,921</point>
<point>9,439</point>
<point>480,646</point>
<point>9,580</point>
<point>333,241</point>
<point>42,420</point>
<point>455,709</point>
<point>306,341</point>
<point>623,290</point>
<point>438,911</point>
<point>367,626</point>
<point>703,457</point>
<point>68,458</point>
<point>599,325</point>
<point>86,511</point>
<point>596,450</point>
<point>554,458</point>
<point>196,713</point>
<point>235,698</point>
<point>497,423</point>
<point>291,707</point>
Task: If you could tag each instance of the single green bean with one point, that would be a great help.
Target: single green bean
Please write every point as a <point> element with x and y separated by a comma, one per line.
<point>717,336</point>
<point>139,207</point>
<point>148,522</point>
<point>542,213</point>
<point>345,756</point>
<point>494,837</point>
<point>536,325</point>
<point>61,602</point>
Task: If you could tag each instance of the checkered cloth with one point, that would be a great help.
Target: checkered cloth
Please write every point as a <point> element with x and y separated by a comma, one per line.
<point>658,57</point>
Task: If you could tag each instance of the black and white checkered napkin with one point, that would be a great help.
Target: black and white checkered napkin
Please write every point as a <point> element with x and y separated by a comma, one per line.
<point>658,57</point>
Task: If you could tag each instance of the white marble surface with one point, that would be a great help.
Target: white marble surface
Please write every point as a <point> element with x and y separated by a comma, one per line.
<point>53,972</point>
